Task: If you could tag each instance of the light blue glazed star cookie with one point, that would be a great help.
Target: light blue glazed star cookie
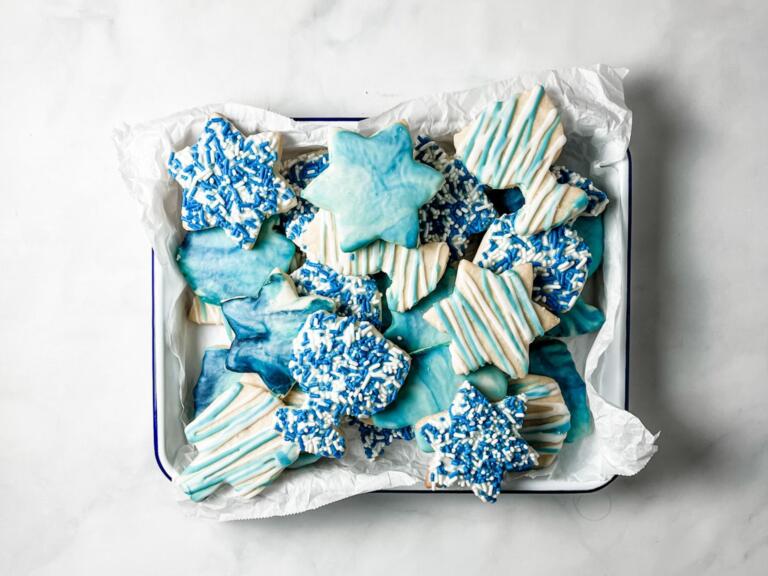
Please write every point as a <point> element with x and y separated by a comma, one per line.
<point>265,327</point>
<point>236,444</point>
<point>374,187</point>
<point>347,368</point>
<point>476,443</point>
<point>229,181</point>
<point>431,385</point>
<point>218,270</point>
<point>491,319</point>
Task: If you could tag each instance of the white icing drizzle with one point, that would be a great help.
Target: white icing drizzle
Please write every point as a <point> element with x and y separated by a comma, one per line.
<point>414,272</point>
<point>204,313</point>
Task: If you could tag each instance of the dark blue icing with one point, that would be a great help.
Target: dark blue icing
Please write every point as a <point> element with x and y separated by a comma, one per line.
<point>410,331</point>
<point>551,358</point>
<point>459,209</point>
<point>229,182</point>
<point>478,443</point>
<point>560,260</point>
<point>346,368</point>
<point>356,296</point>
<point>590,229</point>
<point>265,327</point>
<point>214,378</point>
<point>581,319</point>
<point>375,439</point>
<point>374,187</point>
<point>431,386</point>
<point>507,201</point>
<point>217,270</point>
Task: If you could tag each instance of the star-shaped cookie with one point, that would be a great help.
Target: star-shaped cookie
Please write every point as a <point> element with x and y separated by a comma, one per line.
<point>491,319</point>
<point>265,327</point>
<point>229,181</point>
<point>374,187</point>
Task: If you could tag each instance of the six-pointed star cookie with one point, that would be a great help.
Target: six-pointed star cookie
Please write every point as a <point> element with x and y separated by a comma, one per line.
<point>374,187</point>
<point>265,327</point>
<point>229,181</point>
<point>491,319</point>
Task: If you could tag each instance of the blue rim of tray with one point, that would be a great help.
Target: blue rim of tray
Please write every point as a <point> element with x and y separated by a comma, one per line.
<point>155,438</point>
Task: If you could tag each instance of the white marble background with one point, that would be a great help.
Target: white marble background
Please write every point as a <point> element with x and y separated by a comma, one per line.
<point>79,489</point>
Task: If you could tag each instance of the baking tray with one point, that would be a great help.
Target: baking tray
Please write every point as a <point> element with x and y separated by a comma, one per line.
<point>168,428</point>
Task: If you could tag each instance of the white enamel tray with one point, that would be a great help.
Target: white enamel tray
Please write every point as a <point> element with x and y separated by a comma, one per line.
<point>167,405</point>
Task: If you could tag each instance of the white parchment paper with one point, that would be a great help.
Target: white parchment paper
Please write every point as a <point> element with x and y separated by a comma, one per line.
<point>597,124</point>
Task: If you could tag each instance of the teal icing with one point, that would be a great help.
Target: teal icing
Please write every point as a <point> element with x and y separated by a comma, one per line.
<point>410,331</point>
<point>431,386</point>
<point>380,174</point>
<point>217,269</point>
<point>549,357</point>
<point>304,459</point>
<point>590,228</point>
<point>581,319</point>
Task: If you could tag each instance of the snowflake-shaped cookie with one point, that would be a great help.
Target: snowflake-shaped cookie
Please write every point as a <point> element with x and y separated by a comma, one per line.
<point>229,181</point>
<point>477,442</point>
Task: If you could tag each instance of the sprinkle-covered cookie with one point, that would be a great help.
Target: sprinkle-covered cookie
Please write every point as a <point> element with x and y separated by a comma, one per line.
<point>431,385</point>
<point>476,443</point>
<point>300,171</point>
<point>374,187</point>
<point>229,181</point>
<point>265,327</point>
<point>459,209</point>
<point>375,439</point>
<point>347,368</point>
<point>547,419</point>
<point>559,257</point>
<point>597,200</point>
<point>236,444</point>
<point>491,319</point>
<point>356,296</point>
<point>217,270</point>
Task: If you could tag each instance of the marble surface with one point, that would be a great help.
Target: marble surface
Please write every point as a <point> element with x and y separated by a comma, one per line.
<point>79,489</point>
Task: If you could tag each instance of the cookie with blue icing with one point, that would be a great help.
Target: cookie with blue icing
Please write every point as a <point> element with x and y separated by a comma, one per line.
<point>590,230</point>
<point>347,368</point>
<point>597,200</point>
<point>356,296</point>
<point>583,318</point>
<point>375,439</point>
<point>513,144</point>
<point>237,444</point>
<point>551,358</point>
<point>560,260</point>
<point>491,319</point>
<point>374,187</point>
<point>215,378</point>
<point>229,181</point>
<point>265,327</point>
<point>476,443</point>
<point>217,270</point>
<point>459,209</point>
<point>431,385</point>
<point>547,419</point>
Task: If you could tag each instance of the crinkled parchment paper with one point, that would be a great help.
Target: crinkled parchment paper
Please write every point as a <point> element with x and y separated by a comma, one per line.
<point>597,124</point>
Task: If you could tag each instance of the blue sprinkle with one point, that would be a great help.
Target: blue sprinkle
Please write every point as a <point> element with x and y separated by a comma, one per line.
<point>597,200</point>
<point>375,439</point>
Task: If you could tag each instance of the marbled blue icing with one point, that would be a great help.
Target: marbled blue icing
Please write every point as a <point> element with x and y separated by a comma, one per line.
<point>229,182</point>
<point>217,270</point>
<point>410,331</point>
<point>374,187</point>
<point>356,296</point>
<point>346,368</point>
<point>476,443</point>
<point>590,230</point>
<point>459,209</point>
<point>214,378</point>
<point>375,439</point>
<point>265,327</point>
<point>597,200</point>
<point>431,386</point>
<point>559,257</point>
<point>551,358</point>
<point>581,319</point>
